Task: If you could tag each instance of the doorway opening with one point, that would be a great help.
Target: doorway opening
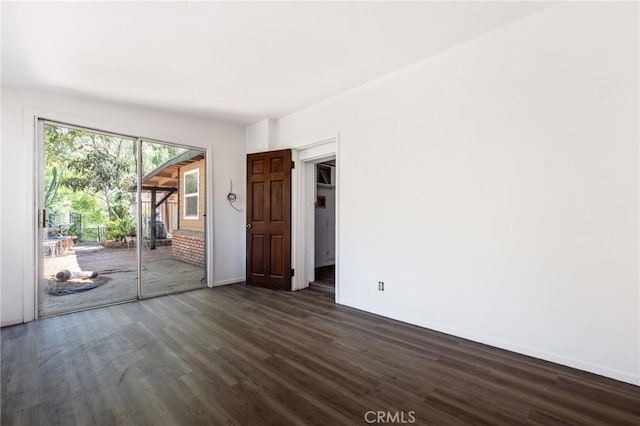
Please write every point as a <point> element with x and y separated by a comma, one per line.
<point>103,238</point>
<point>282,191</point>
<point>324,156</point>
<point>325,228</point>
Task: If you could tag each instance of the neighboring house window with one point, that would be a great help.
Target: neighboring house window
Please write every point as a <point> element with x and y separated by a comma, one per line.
<point>191,194</point>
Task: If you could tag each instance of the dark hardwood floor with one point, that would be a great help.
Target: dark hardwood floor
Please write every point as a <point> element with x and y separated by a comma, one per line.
<point>249,356</point>
<point>325,281</point>
<point>326,274</point>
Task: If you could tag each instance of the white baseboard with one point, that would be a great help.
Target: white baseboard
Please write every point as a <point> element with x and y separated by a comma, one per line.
<point>487,340</point>
<point>228,281</point>
<point>11,321</point>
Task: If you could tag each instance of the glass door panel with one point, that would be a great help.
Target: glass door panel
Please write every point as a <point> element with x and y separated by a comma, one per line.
<point>173,219</point>
<point>88,219</point>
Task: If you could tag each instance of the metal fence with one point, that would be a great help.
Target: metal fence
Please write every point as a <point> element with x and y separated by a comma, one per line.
<point>71,223</point>
<point>87,235</point>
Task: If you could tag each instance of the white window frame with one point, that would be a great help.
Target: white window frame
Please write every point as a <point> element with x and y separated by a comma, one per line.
<point>190,195</point>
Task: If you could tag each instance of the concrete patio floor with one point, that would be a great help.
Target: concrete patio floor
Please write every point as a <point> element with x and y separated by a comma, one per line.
<point>161,273</point>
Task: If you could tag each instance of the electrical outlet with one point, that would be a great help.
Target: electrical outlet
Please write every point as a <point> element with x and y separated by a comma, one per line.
<point>380,285</point>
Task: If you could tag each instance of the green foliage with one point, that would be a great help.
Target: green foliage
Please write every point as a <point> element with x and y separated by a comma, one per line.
<point>120,228</point>
<point>51,185</point>
<point>98,171</point>
<point>96,165</point>
<point>121,204</point>
<point>73,230</point>
<point>155,154</point>
<point>59,144</point>
<point>88,205</point>
<point>92,174</point>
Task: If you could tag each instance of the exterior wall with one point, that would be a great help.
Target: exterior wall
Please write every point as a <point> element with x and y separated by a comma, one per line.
<point>192,224</point>
<point>188,246</point>
<point>168,212</point>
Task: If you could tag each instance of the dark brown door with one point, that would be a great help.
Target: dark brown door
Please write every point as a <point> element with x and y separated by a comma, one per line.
<point>269,219</point>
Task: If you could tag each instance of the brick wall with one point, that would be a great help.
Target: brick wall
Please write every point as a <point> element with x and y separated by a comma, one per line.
<point>188,246</point>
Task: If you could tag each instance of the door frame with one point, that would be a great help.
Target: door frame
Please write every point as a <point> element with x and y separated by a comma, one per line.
<point>303,190</point>
<point>34,149</point>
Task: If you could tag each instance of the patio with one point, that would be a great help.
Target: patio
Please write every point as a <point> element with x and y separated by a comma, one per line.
<point>117,269</point>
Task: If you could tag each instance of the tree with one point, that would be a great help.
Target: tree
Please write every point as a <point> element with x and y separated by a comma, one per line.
<point>93,173</point>
<point>156,154</point>
<point>90,162</point>
<point>104,173</point>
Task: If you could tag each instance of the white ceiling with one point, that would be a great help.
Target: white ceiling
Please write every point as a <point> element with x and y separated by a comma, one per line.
<point>237,61</point>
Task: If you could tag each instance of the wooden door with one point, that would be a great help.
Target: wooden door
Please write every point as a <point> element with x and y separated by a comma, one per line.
<point>269,219</point>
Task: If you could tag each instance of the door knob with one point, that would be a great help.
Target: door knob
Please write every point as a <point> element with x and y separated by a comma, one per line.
<point>249,226</point>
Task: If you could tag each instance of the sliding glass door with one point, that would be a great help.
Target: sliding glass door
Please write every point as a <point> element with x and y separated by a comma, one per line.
<point>105,239</point>
<point>173,219</point>
<point>87,195</point>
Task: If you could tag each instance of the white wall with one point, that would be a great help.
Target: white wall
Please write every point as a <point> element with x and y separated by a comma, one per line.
<point>494,188</point>
<point>259,136</point>
<point>17,180</point>
<point>325,228</point>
